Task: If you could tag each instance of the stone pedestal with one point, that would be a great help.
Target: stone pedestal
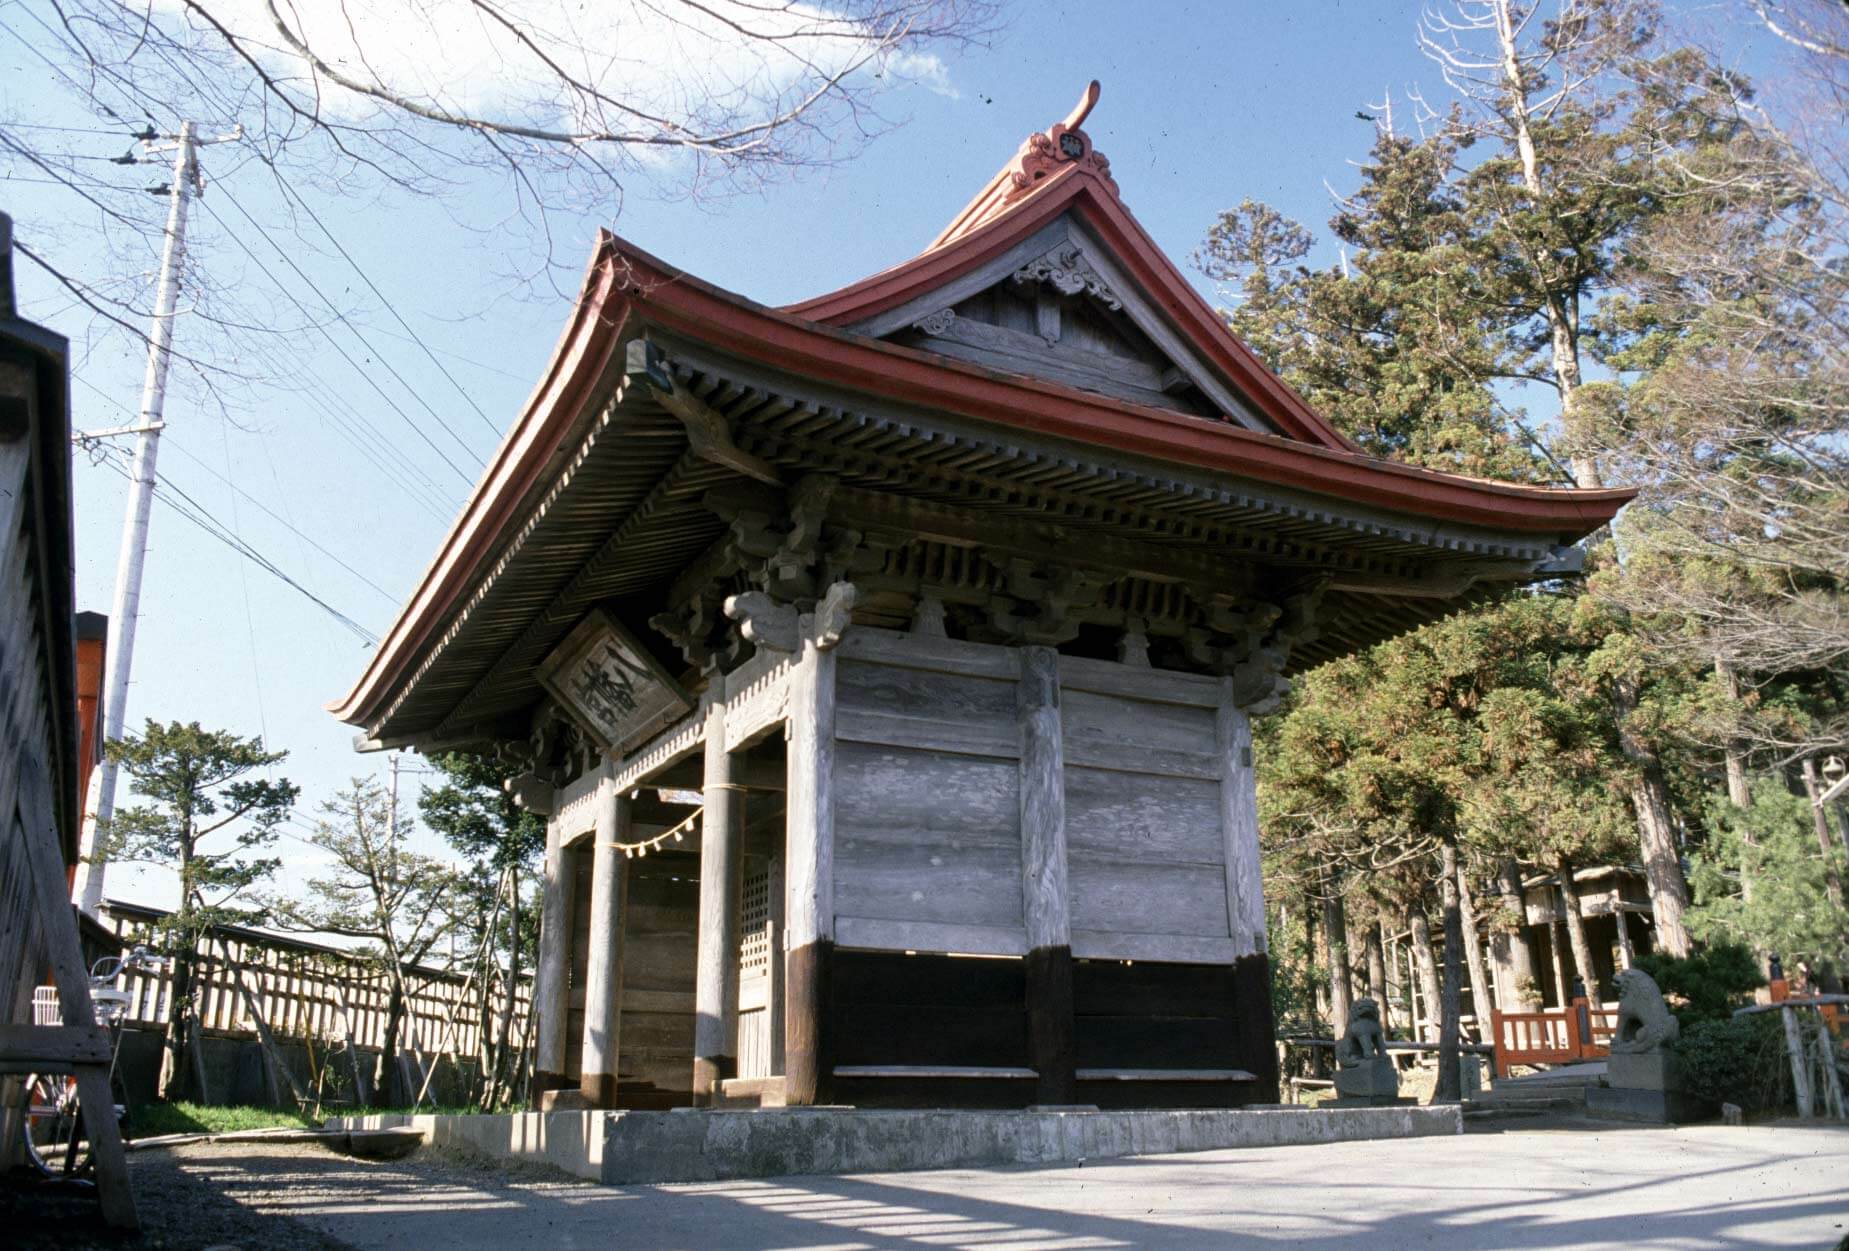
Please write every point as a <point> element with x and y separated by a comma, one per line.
<point>1375,1083</point>
<point>1653,1070</point>
<point>1645,1088</point>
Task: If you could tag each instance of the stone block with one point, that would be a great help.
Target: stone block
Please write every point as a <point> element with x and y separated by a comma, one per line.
<point>1652,1070</point>
<point>1650,1107</point>
<point>1368,1101</point>
<point>1376,1079</point>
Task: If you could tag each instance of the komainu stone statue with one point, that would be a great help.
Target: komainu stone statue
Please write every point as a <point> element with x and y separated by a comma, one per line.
<point>1364,1071</point>
<point>1644,1020</point>
<point>1641,1078</point>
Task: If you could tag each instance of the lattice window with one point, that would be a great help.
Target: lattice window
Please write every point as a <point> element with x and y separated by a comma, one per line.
<point>754,945</point>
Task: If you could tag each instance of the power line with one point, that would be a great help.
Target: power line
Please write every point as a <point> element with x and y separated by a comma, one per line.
<point>392,309</point>
<point>334,311</point>
<point>247,495</point>
<point>196,513</point>
<point>74,130</point>
<point>285,523</point>
<point>379,451</point>
<point>332,342</point>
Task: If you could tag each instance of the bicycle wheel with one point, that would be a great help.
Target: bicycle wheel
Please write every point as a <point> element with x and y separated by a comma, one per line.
<point>52,1121</point>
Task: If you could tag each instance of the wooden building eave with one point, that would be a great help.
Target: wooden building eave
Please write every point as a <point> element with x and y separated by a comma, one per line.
<point>597,491</point>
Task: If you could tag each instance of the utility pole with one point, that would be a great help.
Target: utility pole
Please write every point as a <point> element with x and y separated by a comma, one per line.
<point>391,826</point>
<point>99,805</point>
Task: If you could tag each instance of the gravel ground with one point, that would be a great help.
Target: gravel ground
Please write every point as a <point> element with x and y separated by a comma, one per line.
<point>183,1202</point>
<point>1694,1189</point>
<point>237,1196</point>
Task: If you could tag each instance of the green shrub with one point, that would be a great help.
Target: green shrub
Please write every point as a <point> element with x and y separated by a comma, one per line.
<point>1734,1060</point>
<point>1708,985</point>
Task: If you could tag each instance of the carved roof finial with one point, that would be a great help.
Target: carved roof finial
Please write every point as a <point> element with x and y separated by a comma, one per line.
<point>1063,144</point>
<point>1088,100</point>
<point>1045,154</point>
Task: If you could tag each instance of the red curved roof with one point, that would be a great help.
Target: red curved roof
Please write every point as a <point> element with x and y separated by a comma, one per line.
<point>781,339</point>
<point>1036,187</point>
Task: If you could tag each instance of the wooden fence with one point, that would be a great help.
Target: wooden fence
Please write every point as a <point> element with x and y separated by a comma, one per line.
<point>1564,1036</point>
<point>309,990</point>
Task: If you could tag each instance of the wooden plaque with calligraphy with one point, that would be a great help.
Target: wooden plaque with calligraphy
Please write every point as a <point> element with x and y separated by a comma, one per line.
<point>610,684</point>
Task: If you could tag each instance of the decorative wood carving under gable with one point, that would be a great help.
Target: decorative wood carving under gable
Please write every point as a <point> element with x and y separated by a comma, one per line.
<point>1055,316</point>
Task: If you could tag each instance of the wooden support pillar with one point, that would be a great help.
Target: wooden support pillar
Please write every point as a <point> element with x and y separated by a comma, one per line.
<point>1245,894</point>
<point>603,974</point>
<point>552,981</point>
<point>809,874</point>
<point>1800,1062</point>
<point>1044,895</point>
<point>722,872</point>
<point>1627,953</point>
<point>1245,884</point>
<point>1557,939</point>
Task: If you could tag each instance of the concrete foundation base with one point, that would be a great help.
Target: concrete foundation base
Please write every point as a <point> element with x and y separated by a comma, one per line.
<point>625,1148</point>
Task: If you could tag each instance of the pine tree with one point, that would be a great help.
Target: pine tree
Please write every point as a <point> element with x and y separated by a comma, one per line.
<point>502,843</point>
<point>207,817</point>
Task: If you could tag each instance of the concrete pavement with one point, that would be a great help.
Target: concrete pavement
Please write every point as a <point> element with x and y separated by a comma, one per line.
<point>1703,1187</point>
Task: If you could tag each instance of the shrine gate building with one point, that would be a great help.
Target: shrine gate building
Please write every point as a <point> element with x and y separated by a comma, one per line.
<point>884,664</point>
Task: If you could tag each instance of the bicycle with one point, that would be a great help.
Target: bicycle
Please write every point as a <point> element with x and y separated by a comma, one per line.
<point>54,1122</point>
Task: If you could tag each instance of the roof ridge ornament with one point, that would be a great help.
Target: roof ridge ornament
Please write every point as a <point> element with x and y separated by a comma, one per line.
<point>1064,143</point>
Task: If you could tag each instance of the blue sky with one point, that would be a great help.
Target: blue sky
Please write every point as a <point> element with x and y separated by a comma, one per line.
<point>1203,105</point>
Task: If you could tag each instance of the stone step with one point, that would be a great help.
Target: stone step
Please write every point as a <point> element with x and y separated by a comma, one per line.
<point>1492,1112</point>
<point>750,1092</point>
<point>1535,1094</point>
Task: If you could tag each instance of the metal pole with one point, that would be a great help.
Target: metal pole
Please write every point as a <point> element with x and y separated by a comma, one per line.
<point>100,805</point>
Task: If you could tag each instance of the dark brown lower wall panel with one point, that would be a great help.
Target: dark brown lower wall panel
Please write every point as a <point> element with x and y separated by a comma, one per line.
<point>1154,1016</point>
<point>1049,1022</point>
<point>885,1008</point>
<point>890,1008</point>
<point>1175,1016</point>
<point>1258,1034</point>
<point>894,1092</point>
<point>1172,1094</point>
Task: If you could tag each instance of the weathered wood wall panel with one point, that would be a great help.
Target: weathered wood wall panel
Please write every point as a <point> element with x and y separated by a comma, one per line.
<point>1147,897</point>
<point>1144,814</point>
<point>580,960</point>
<point>25,685</point>
<point>1116,814</point>
<point>927,804</point>
<point>927,796</point>
<point>655,1066</point>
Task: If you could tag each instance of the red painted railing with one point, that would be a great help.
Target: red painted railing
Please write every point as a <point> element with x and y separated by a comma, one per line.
<point>1564,1036</point>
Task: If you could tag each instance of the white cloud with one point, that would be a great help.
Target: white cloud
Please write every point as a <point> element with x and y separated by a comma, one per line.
<point>722,64</point>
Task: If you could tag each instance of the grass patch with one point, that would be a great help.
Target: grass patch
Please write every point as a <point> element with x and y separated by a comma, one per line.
<point>151,1120</point>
